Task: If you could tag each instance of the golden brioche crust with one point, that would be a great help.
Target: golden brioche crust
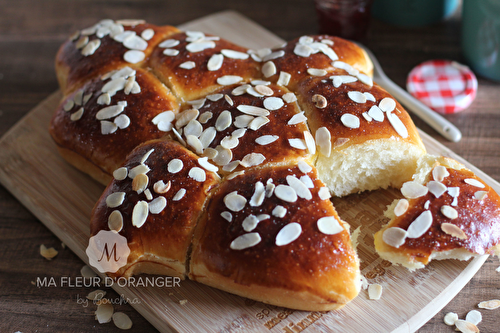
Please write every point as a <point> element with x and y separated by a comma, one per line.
<point>315,271</point>
<point>84,136</point>
<point>339,103</point>
<point>74,69</point>
<point>189,84</point>
<point>162,242</point>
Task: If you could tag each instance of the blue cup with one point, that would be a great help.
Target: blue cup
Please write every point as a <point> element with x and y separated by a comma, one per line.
<point>413,13</point>
<point>481,37</point>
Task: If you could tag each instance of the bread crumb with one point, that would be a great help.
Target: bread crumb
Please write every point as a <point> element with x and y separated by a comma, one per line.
<point>183,301</point>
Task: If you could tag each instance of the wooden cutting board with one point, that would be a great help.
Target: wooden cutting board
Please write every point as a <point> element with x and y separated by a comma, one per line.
<point>62,198</point>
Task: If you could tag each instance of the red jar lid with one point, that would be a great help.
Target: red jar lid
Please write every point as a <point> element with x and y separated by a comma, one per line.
<point>443,85</point>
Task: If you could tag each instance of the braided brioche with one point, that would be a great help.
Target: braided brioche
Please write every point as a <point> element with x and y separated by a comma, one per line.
<point>230,155</point>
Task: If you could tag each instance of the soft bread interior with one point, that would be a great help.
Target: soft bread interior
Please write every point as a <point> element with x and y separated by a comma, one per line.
<point>368,166</point>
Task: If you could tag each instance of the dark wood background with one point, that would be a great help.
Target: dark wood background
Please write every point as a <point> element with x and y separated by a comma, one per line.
<point>30,34</point>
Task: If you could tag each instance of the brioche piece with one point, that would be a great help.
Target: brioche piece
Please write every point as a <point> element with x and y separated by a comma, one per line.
<point>193,64</point>
<point>175,187</point>
<point>260,238</point>
<point>366,139</point>
<point>106,46</point>
<point>448,213</point>
<point>238,128</point>
<point>310,55</point>
<point>96,126</point>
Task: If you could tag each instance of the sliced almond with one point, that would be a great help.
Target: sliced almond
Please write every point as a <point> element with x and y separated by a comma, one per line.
<point>104,312</point>
<point>266,139</point>
<point>121,320</point>
<point>259,195</point>
<point>474,317</point>
<point>252,159</point>
<point>48,253</point>
<point>157,205</point>
<point>450,318</point>
<point>115,199</point>
<point>96,295</point>
<point>289,97</point>
<point>179,195</point>
<point>215,62</point>
<point>253,110</point>
<point>160,187</point>
<point>453,231</point>
<point>273,103</point>
<point>449,212</point>
<point>413,190</point>
<point>175,165</point>
<point>489,305</point>
<point>436,188</point>
<point>227,216</point>
<point>329,225</point>
<point>300,188</point>
<point>466,327</point>
<point>140,183</point>
<point>374,291</point>
<point>115,221</point>
<point>340,142</point>
<point>250,223</point>
<point>285,193</point>
<point>439,173</point>
<point>350,120</point>
<point>480,195</point>
<point>284,79</point>
<point>288,234</point>
<point>268,69</point>
<point>387,104</point>
<point>198,174</point>
<point>474,182</point>
<point>279,211</point>
<point>398,125</point>
<point>319,101</point>
<point>357,96</point>
<point>228,80</point>
<point>140,213</point>
<point>245,241</point>
<point>234,201</point>
<point>264,90</point>
<point>394,236</point>
<point>420,225</point>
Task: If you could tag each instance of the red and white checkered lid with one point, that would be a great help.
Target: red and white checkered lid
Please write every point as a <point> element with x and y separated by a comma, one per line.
<point>443,85</point>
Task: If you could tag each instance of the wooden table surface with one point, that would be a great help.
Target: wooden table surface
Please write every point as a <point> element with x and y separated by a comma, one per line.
<point>30,34</point>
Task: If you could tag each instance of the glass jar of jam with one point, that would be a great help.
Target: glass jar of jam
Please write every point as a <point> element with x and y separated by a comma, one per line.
<point>344,18</point>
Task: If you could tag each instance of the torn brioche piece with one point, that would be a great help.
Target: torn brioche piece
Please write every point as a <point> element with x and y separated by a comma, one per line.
<point>447,213</point>
<point>154,201</point>
<point>273,235</point>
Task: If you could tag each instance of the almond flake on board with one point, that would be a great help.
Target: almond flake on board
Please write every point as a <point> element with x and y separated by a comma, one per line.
<point>450,318</point>
<point>48,253</point>
<point>122,320</point>
<point>374,291</point>
<point>489,305</point>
